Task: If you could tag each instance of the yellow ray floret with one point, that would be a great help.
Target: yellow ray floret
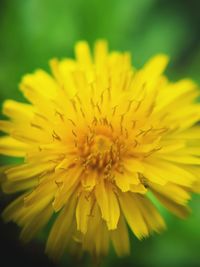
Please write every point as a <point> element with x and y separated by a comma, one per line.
<point>97,137</point>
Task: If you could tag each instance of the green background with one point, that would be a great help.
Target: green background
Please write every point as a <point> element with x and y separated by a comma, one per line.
<point>34,31</point>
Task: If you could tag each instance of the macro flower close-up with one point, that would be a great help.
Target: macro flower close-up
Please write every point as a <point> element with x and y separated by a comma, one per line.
<point>101,143</point>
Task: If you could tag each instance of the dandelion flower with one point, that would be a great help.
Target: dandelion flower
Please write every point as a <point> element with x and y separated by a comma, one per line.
<point>98,139</point>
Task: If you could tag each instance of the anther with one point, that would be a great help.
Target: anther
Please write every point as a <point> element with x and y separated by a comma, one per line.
<point>109,93</point>
<point>58,183</point>
<point>74,133</point>
<point>56,136</point>
<point>92,103</point>
<point>105,121</point>
<point>78,98</point>
<point>138,105</point>
<point>129,105</point>
<point>94,122</point>
<point>97,105</point>
<point>133,123</point>
<point>41,116</point>
<point>140,133</point>
<point>36,126</point>
<point>83,114</point>
<point>122,119</point>
<point>72,122</point>
<point>135,143</point>
<point>111,127</point>
<point>61,116</point>
<point>114,110</point>
<point>73,104</point>
<point>147,131</point>
<point>126,131</point>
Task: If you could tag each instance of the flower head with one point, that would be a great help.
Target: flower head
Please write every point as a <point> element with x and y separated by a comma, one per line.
<point>98,139</point>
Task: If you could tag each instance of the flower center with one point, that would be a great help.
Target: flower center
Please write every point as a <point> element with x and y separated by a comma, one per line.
<point>101,143</point>
<point>100,151</point>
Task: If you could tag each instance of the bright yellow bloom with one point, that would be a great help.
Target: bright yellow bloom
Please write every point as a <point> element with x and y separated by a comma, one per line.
<point>99,139</point>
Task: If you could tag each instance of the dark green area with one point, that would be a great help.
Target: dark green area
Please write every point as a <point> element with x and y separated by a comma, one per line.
<point>34,31</point>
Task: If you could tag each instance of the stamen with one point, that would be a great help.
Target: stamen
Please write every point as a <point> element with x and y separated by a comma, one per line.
<point>56,136</point>
<point>102,97</point>
<point>74,133</point>
<point>147,131</point>
<point>60,115</point>
<point>72,122</point>
<point>152,151</point>
<point>95,121</point>
<point>114,110</point>
<point>129,105</point>
<point>78,98</point>
<point>135,143</point>
<point>83,114</point>
<point>97,105</point>
<point>109,93</point>
<point>36,126</point>
<point>111,127</point>
<point>140,133</point>
<point>138,105</point>
<point>73,102</point>
<point>59,183</point>
<point>105,121</point>
<point>41,116</point>
<point>92,103</point>
<point>133,123</point>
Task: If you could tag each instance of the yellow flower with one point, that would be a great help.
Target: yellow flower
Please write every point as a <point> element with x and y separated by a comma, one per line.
<point>99,139</point>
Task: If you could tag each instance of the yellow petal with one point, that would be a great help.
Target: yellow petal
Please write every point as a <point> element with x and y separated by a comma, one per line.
<point>154,172</point>
<point>83,210</point>
<point>108,204</point>
<point>179,210</point>
<point>33,226</point>
<point>153,69</point>
<point>120,238</point>
<point>10,187</point>
<point>62,231</point>
<point>67,184</point>
<point>101,240</point>
<point>14,209</point>
<point>17,111</point>
<point>172,191</point>
<point>83,54</point>
<point>133,215</point>
<point>89,181</point>
<point>100,53</point>
<point>27,170</point>
<point>150,214</point>
<point>6,126</point>
<point>11,147</point>
<point>183,159</point>
<point>124,181</point>
<point>140,188</point>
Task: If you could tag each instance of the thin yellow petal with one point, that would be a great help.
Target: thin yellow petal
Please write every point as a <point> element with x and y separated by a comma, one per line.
<point>133,215</point>
<point>11,147</point>
<point>150,214</point>
<point>108,204</point>
<point>63,227</point>
<point>83,211</point>
<point>83,54</point>
<point>120,238</point>
<point>179,210</point>
<point>33,226</point>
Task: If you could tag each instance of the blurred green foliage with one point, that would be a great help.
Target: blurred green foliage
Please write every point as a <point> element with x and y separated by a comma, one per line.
<point>34,31</point>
